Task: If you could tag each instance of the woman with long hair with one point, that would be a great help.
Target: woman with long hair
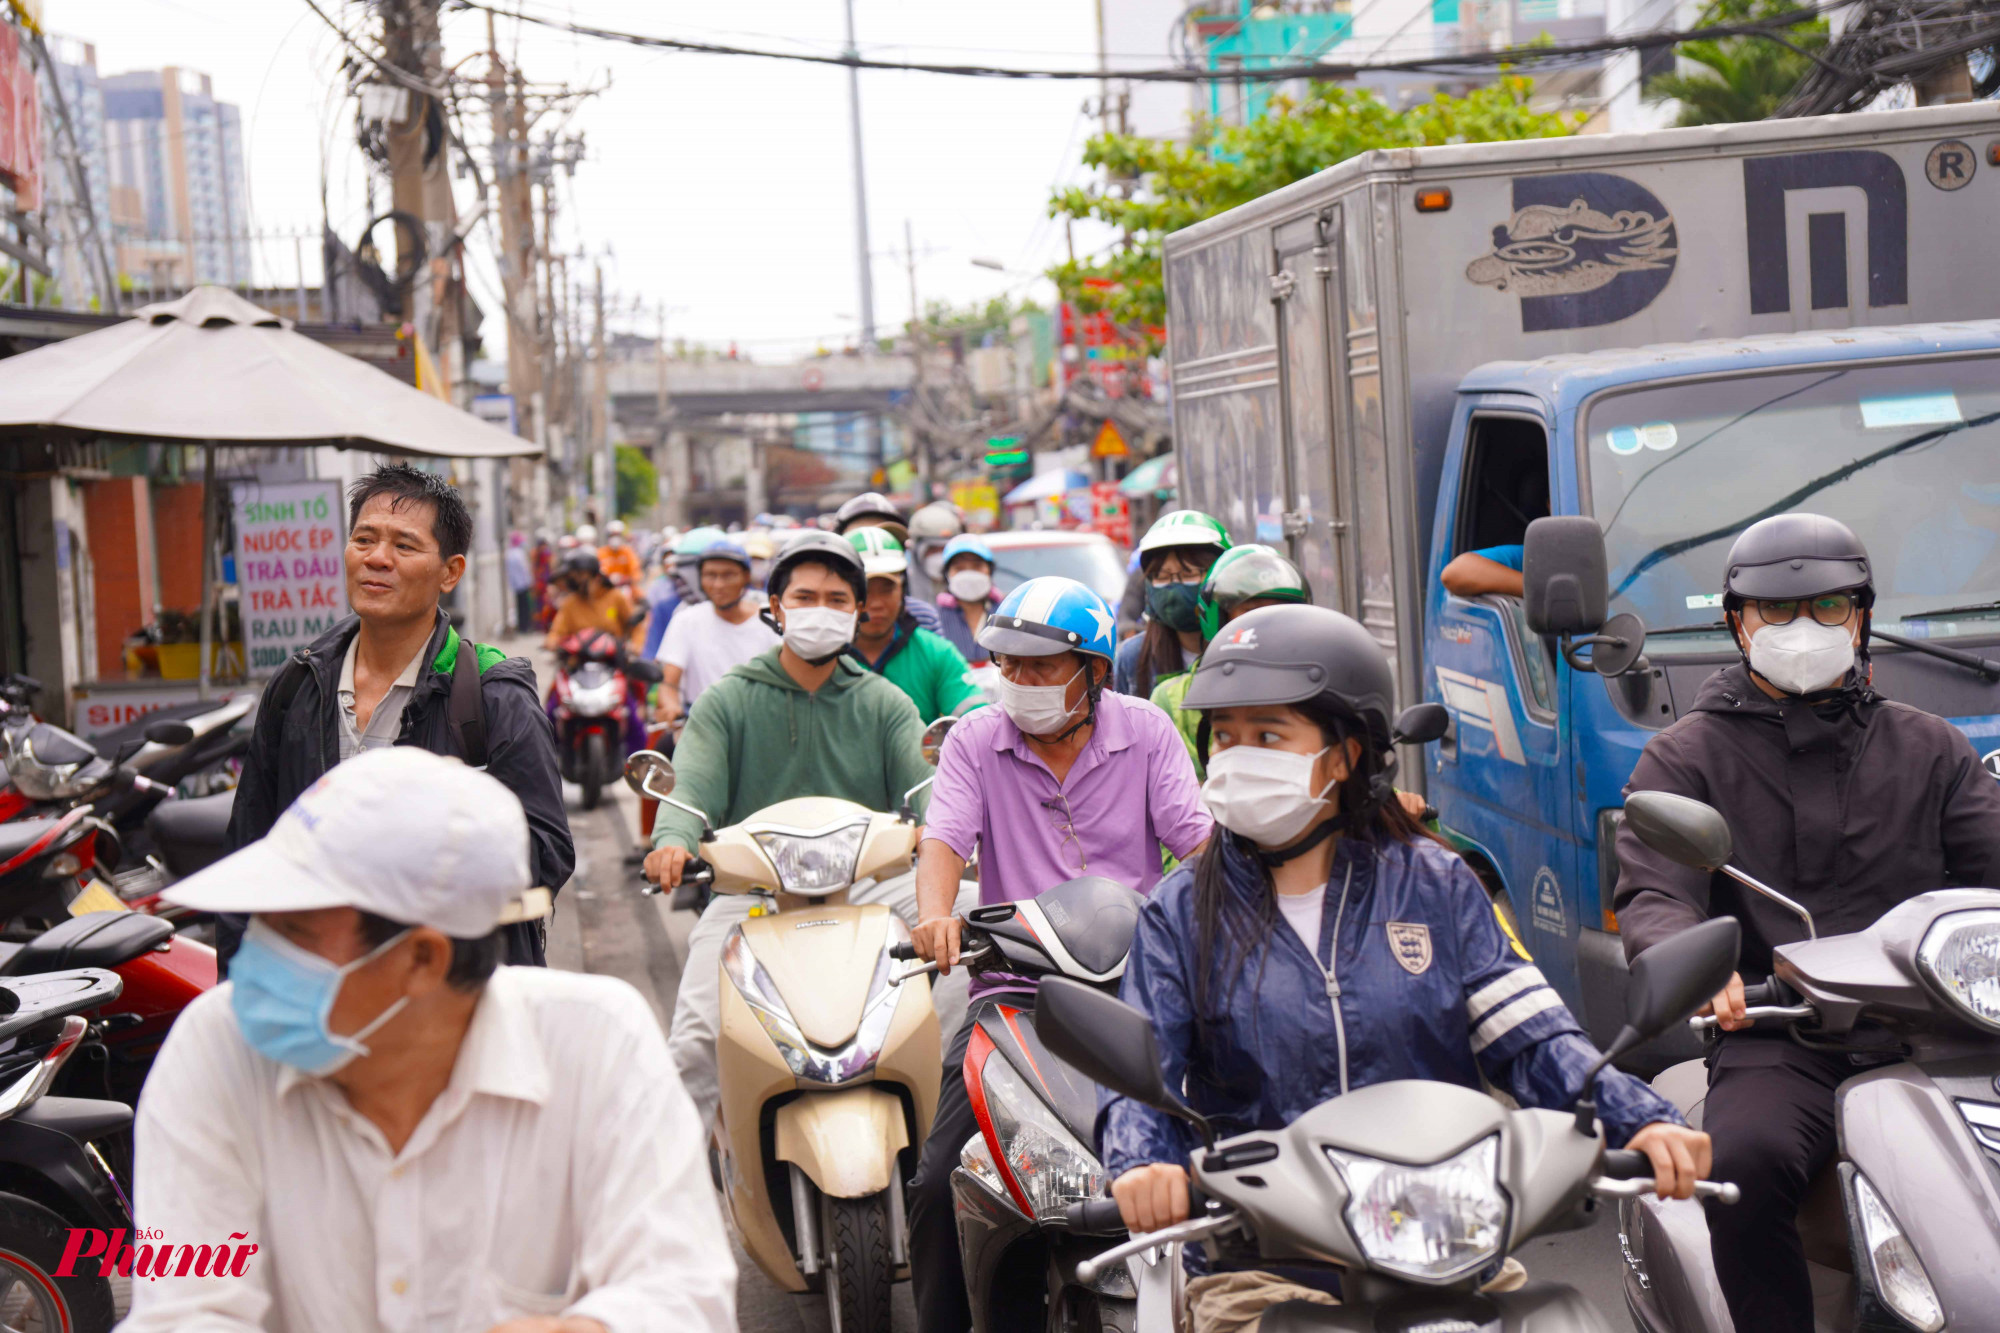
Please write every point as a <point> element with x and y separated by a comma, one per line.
<point>1325,941</point>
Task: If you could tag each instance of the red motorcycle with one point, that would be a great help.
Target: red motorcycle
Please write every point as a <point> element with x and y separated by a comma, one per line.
<point>595,705</point>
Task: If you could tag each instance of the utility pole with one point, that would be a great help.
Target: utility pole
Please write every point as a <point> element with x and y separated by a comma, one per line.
<point>874,443</point>
<point>600,405</point>
<point>421,187</point>
<point>517,243</point>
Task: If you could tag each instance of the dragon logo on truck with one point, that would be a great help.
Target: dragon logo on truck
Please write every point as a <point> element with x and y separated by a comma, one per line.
<point>1582,248</point>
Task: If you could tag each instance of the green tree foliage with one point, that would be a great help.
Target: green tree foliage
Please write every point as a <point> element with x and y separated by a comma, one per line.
<point>638,481</point>
<point>1156,186</point>
<point>1739,78</point>
<point>997,313</point>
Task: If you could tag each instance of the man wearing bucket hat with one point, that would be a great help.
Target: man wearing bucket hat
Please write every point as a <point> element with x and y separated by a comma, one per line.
<point>409,1135</point>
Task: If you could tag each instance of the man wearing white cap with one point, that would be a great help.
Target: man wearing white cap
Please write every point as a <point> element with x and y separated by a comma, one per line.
<point>411,1137</point>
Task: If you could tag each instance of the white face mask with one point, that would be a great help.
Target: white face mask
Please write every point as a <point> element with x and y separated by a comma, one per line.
<point>1803,656</point>
<point>816,633</point>
<point>934,565</point>
<point>970,585</point>
<point>1264,795</point>
<point>1038,710</point>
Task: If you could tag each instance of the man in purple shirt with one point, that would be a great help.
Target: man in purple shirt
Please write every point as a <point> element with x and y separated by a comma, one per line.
<point>1063,779</point>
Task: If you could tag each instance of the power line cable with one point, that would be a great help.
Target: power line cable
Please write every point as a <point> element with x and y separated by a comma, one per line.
<point>1769,28</point>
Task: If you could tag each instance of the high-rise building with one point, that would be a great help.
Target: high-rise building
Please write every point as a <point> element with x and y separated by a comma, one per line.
<point>74,226</point>
<point>177,194</point>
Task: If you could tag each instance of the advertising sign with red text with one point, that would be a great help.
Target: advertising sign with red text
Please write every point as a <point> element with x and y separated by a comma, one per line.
<point>288,566</point>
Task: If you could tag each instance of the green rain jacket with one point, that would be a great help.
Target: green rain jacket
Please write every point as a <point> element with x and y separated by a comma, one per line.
<point>926,667</point>
<point>755,738</point>
<point>1168,695</point>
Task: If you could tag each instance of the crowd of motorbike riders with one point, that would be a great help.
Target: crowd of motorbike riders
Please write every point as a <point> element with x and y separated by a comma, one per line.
<point>1224,748</point>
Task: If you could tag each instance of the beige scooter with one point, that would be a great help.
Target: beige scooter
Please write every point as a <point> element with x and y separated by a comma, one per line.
<point>829,1072</point>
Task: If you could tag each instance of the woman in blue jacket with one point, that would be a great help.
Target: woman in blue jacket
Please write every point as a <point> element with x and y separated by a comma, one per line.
<point>1326,941</point>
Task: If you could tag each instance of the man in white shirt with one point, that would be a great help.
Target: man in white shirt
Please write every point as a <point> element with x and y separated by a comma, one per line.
<point>708,639</point>
<point>412,1138</point>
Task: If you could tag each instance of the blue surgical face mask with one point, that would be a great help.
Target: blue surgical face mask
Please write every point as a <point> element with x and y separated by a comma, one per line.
<point>283,995</point>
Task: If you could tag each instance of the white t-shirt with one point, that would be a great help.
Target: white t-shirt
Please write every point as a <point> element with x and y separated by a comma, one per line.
<point>1302,910</point>
<point>705,646</point>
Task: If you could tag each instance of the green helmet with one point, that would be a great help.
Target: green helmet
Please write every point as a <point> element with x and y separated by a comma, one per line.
<point>1183,527</point>
<point>696,540</point>
<point>1245,574</point>
<point>880,552</point>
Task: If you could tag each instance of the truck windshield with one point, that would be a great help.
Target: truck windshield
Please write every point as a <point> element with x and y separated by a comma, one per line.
<point>1906,454</point>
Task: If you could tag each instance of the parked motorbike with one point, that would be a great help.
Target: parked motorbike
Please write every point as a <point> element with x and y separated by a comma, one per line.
<point>593,695</point>
<point>55,1178</point>
<point>1902,1229</point>
<point>60,917</point>
<point>1413,1192</point>
<point>829,1073</point>
<point>1032,1157</point>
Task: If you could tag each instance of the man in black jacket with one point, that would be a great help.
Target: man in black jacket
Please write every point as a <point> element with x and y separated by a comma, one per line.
<point>384,676</point>
<point>1846,801</point>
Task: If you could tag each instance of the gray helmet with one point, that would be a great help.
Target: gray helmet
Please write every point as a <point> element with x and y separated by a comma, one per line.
<point>1294,653</point>
<point>821,548</point>
<point>1793,556</point>
<point>870,504</point>
<point>935,521</point>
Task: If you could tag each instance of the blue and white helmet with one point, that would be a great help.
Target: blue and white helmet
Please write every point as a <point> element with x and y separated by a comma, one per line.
<point>1050,615</point>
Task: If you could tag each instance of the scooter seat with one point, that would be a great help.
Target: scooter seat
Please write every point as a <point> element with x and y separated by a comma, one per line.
<point>191,834</point>
<point>98,939</point>
<point>20,835</point>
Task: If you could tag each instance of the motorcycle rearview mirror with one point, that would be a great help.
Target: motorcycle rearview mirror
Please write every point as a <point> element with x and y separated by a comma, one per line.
<point>1420,724</point>
<point>1680,828</point>
<point>1695,835</point>
<point>650,773</point>
<point>169,733</point>
<point>1111,1043</point>
<point>645,670</point>
<point>907,811</point>
<point>1668,982</point>
<point>933,739</point>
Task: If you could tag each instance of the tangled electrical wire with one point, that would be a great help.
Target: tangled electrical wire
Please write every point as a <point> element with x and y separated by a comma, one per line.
<point>1892,42</point>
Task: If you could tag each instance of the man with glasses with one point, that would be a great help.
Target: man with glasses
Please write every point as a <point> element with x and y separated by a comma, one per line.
<point>1845,801</point>
<point>1064,778</point>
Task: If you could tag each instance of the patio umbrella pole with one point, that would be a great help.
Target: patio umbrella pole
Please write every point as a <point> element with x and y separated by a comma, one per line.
<point>207,569</point>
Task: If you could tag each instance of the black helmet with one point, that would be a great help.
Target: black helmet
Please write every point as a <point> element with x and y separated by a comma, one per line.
<point>1295,654</point>
<point>583,560</point>
<point>868,504</point>
<point>1793,556</point>
<point>821,548</point>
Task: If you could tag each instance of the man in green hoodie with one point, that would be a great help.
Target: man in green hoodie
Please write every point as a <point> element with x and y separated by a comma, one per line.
<point>804,719</point>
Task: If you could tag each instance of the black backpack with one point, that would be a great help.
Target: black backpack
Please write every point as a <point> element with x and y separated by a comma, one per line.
<point>466,711</point>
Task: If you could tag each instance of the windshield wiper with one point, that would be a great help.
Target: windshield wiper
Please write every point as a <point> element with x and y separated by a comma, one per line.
<point>1974,609</point>
<point>1988,669</point>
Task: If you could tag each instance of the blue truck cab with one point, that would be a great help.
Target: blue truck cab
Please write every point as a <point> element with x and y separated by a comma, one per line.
<point>1674,450</point>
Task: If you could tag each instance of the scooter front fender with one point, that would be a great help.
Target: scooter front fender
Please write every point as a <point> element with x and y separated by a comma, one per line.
<point>1539,1307</point>
<point>845,1141</point>
<point>1900,1128</point>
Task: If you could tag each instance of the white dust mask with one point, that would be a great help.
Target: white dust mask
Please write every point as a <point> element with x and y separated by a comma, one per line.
<point>1803,656</point>
<point>1264,795</point>
<point>970,585</point>
<point>816,633</point>
<point>1038,710</point>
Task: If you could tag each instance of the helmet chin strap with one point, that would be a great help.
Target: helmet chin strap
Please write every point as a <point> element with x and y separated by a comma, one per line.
<point>1095,688</point>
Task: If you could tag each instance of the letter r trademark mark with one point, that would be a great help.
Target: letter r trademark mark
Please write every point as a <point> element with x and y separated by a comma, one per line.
<point>1766,181</point>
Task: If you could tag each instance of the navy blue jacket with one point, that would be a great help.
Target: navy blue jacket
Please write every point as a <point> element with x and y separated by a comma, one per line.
<point>1427,986</point>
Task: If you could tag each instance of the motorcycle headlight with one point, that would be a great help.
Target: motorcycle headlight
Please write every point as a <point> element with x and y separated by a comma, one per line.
<point>594,700</point>
<point>809,1062</point>
<point>1900,1279</point>
<point>1046,1163</point>
<point>1433,1223</point>
<point>814,862</point>
<point>1961,955</point>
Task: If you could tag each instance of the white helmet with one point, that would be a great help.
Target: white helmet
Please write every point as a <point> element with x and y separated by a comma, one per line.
<point>615,528</point>
<point>587,534</point>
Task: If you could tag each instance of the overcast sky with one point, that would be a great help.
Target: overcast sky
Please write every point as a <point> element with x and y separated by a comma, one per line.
<point>718,186</point>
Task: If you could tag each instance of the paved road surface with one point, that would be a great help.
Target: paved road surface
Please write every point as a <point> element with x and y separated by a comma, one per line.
<point>603,924</point>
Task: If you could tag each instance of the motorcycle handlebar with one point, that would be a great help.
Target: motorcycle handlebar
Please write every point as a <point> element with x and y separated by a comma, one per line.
<point>903,953</point>
<point>1625,1164</point>
<point>1094,1217</point>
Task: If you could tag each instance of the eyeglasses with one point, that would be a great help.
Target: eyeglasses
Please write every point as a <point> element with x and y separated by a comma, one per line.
<point>1829,609</point>
<point>1169,580</point>
<point>1065,824</point>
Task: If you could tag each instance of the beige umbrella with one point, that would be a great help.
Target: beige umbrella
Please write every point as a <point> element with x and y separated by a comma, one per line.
<point>213,369</point>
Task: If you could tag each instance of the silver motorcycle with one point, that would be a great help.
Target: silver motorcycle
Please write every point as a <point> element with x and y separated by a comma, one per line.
<point>1413,1192</point>
<point>1902,1230</point>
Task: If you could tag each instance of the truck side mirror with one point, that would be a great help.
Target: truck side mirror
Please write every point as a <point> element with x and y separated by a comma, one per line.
<point>1563,572</point>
